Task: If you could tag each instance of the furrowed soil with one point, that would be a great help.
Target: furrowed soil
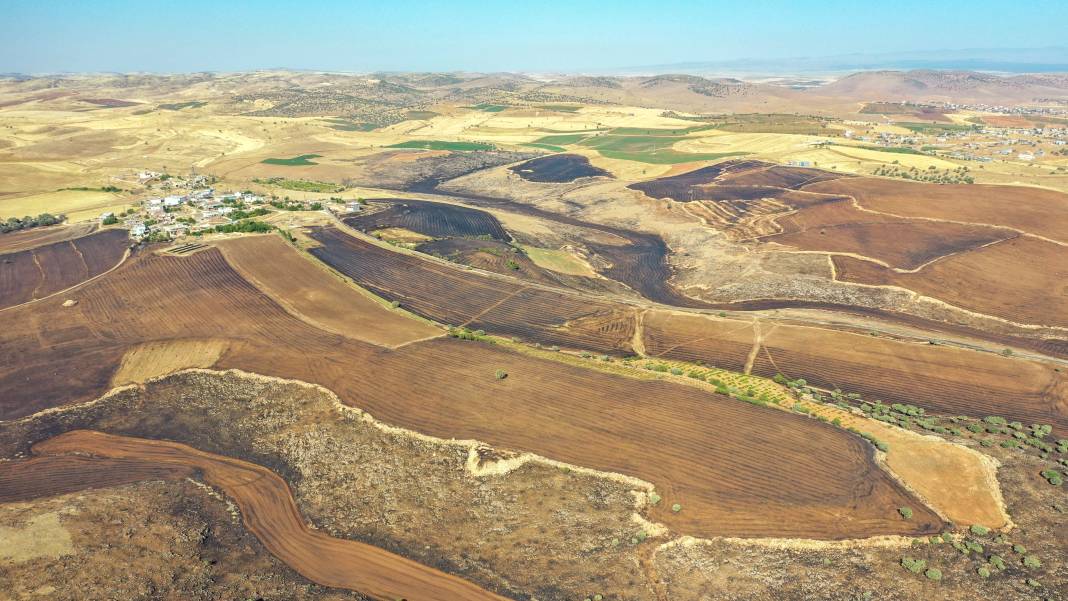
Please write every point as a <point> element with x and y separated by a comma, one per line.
<point>268,509</point>
<point>1032,210</point>
<point>38,272</point>
<point>838,227</point>
<point>305,289</point>
<point>674,436</point>
<point>1036,293</point>
<point>40,236</point>
<point>941,379</point>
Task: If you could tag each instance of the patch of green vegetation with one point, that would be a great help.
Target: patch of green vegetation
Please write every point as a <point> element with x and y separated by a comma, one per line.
<point>300,185</point>
<point>545,146</point>
<point>443,145</point>
<point>652,149</point>
<point>350,125</point>
<point>562,139</point>
<point>935,128</point>
<point>111,189</point>
<point>906,512</point>
<point>933,574</point>
<point>915,566</point>
<point>301,160</point>
<point>250,226</point>
<point>893,149</point>
<point>486,107</point>
<point>177,106</point>
<point>562,108</point>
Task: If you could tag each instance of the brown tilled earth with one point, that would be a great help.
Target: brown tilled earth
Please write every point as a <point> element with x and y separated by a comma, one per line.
<point>939,378</point>
<point>719,458</point>
<point>38,272</point>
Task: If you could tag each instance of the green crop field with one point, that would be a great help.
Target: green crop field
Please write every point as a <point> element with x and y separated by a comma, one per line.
<point>654,149</point>
<point>297,161</point>
<point>646,131</point>
<point>919,127</point>
<point>562,108</point>
<point>442,145</point>
<point>488,108</point>
<point>349,125</point>
<point>562,139</point>
<point>545,146</point>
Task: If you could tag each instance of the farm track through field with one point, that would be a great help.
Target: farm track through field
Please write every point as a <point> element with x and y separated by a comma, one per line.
<point>268,510</point>
<point>724,461</point>
<point>941,379</point>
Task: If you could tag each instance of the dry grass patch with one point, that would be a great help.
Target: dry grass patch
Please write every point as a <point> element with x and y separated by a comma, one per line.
<point>159,358</point>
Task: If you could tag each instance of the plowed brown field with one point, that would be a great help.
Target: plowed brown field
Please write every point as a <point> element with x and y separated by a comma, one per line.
<point>448,295</point>
<point>941,379</point>
<point>1024,280</point>
<point>39,236</point>
<point>839,227</point>
<point>43,270</point>
<point>267,506</point>
<point>724,461</point>
<point>311,293</point>
<point>1032,210</point>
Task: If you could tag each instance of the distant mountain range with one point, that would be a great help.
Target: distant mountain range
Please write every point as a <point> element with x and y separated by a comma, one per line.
<point>1003,60</point>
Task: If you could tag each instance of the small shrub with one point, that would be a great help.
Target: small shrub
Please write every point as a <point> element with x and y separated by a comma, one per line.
<point>1031,582</point>
<point>654,498</point>
<point>979,530</point>
<point>500,374</point>
<point>676,508</point>
<point>906,512</point>
<point>973,546</point>
<point>916,566</point>
<point>997,561</point>
<point>983,571</point>
<point>1032,562</point>
<point>676,371</point>
<point>394,304</point>
<point>1018,548</point>
<point>933,574</point>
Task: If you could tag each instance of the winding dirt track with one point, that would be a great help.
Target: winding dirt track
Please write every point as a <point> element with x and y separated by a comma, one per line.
<point>725,461</point>
<point>267,509</point>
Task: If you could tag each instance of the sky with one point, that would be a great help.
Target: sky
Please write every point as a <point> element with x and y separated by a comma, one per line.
<point>464,35</point>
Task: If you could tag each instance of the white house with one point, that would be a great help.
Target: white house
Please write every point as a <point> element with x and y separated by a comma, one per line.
<point>173,200</point>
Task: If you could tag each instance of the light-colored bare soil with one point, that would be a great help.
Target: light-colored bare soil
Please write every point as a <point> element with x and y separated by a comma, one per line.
<point>312,293</point>
<point>161,357</point>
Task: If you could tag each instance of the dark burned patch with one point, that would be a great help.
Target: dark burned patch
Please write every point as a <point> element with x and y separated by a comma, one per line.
<point>732,180</point>
<point>558,169</point>
<point>677,187</point>
<point>437,220</point>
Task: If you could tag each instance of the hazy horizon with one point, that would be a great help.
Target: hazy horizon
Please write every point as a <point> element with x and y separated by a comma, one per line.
<point>552,37</point>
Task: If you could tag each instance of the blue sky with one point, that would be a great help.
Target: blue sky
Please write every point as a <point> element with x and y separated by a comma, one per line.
<point>540,35</point>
